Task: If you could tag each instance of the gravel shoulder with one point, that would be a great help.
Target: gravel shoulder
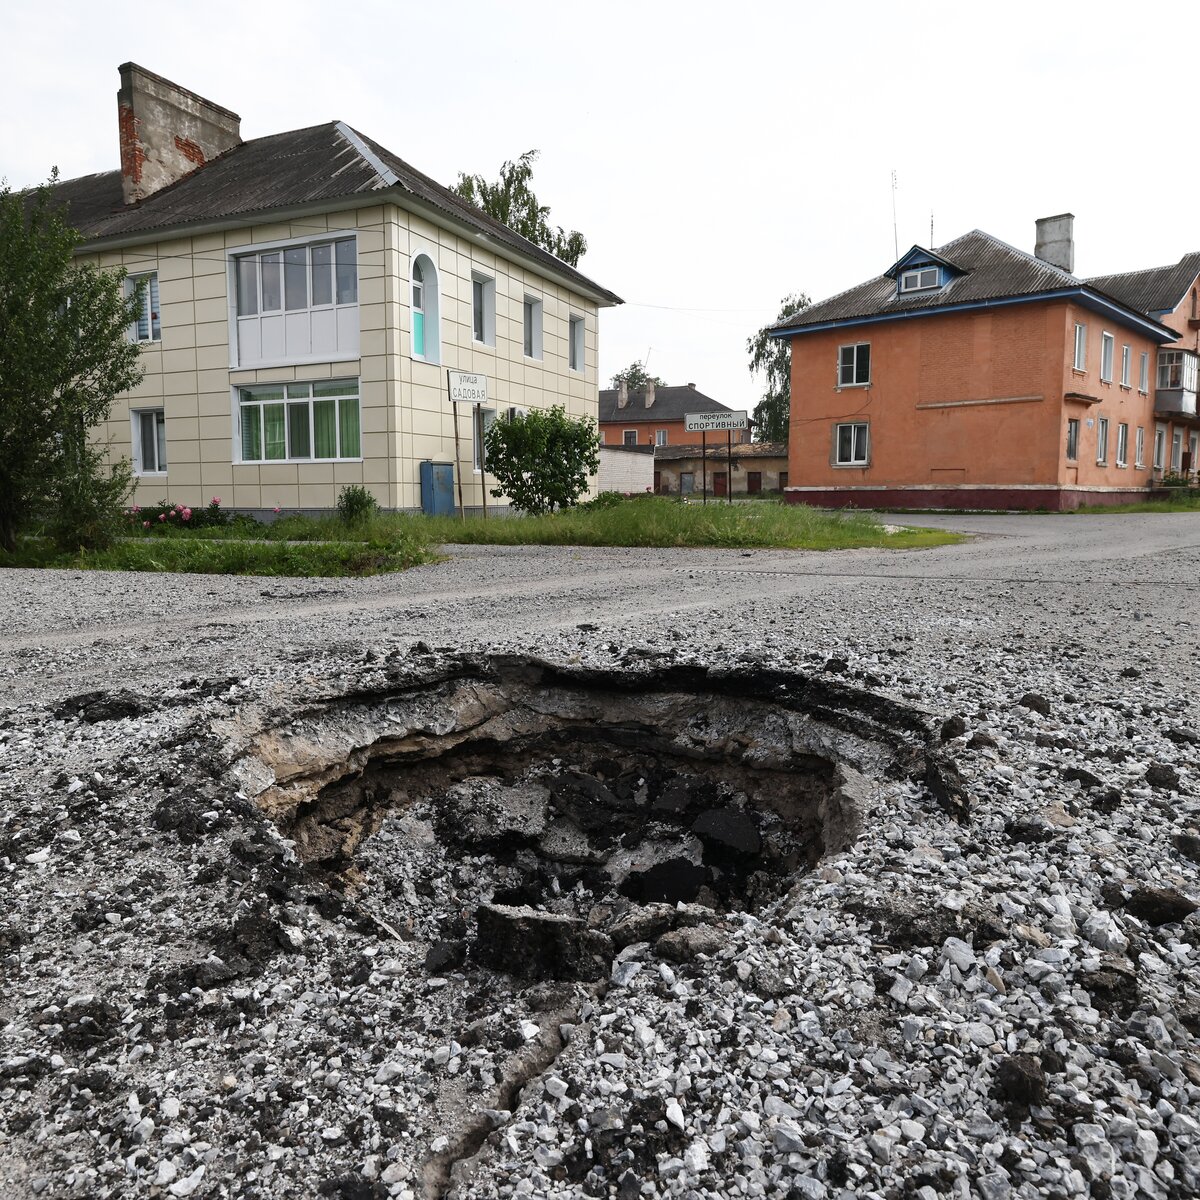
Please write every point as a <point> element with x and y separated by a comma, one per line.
<point>1005,1005</point>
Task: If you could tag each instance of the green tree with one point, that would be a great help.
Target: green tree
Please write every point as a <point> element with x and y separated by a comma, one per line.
<point>637,377</point>
<point>772,357</point>
<point>64,355</point>
<point>510,200</point>
<point>542,460</point>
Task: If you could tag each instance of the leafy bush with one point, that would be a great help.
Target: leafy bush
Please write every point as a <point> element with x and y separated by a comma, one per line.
<point>604,500</point>
<point>164,516</point>
<point>84,496</point>
<point>542,460</point>
<point>355,504</point>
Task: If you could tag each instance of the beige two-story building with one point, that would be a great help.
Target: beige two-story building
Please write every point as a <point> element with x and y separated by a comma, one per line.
<point>304,296</point>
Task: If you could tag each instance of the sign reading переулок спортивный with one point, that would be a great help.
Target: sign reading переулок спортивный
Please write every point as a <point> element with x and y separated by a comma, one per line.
<point>712,422</point>
<point>466,388</point>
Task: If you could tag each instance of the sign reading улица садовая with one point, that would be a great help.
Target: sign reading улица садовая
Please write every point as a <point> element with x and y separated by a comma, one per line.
<point>466,388</point>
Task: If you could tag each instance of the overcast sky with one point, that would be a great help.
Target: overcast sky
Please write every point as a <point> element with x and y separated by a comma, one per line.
<point>716,156</point>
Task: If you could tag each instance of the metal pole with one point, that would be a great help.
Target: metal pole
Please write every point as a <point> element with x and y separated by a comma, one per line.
<point>729,467</point>
<point>462,512</point>
<point>704,463</point>
<point>482,456</point>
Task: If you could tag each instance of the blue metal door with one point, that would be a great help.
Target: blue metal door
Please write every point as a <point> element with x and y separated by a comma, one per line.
<point>437,489</point>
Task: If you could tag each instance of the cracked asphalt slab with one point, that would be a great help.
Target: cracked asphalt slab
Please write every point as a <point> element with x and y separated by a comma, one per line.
<point>995,997</point>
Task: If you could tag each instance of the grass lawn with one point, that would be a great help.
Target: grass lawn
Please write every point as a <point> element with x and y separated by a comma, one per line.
<point>327,546</point>
<point>231,556</point>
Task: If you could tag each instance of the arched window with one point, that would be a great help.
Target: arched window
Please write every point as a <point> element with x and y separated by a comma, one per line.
<point>426,333</point>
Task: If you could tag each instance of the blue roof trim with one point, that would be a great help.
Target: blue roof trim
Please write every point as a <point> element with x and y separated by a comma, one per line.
<point>1085,297</point>
<point>918,255</point>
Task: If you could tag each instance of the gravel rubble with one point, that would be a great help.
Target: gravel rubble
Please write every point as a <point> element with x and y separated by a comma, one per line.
<point>994,994</point>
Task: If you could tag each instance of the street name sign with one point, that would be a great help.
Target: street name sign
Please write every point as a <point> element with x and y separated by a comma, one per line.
<point>466,388</point>
<point>711,422</point>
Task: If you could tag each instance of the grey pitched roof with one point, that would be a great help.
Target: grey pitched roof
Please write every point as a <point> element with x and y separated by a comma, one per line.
<point>285,170</point>
<point>670,404</point>
<point>1154,290</point>
<point>988,269</point>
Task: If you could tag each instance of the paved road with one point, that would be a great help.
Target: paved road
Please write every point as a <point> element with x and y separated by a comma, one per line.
<point>1123,588</point>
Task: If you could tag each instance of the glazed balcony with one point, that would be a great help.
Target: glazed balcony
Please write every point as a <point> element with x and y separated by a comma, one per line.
<point>1174,402</point>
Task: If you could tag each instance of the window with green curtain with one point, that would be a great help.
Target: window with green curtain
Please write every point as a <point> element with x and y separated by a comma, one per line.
<point>324,429</point>
<point>273,420</point>
<point>349,432</point>
<point>298,443</point>
<point>251,433</point>
<point>419,334</point>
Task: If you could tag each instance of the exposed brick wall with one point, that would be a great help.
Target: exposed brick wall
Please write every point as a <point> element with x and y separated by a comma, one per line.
<point>189,150</point>
<point>133,156</point>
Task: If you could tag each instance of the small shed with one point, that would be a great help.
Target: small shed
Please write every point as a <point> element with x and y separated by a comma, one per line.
<point>757,468</point>
<point>626,469</point>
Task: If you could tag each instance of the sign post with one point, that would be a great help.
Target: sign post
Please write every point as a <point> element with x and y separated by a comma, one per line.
<point>702,423</point>
<point>466,387</point>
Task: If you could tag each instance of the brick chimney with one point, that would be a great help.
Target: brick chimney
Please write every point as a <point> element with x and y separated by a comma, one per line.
<point>650,394</point>
<point>1055,241</point>
<point>623,395</point>
<point>167,132</point>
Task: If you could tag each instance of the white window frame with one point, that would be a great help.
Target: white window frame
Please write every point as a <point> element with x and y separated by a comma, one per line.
<point>853,368</point>
<point>430,308</point>
<point>151,307</point>
<point>629,437</point>
<point>860,445</point>
<point>351,391</point>
<point>920,279</point>
<point>1160,447</point>
<point>1072,439</point>
<point>1139,447</point>
<point>344,314</point>
<point>532,320</point>
<point>1122,444</point>
<point>1080,360</point>
<point>483,309</point>
<point>479,426</point>
<point>161,461</point>
<point>1176,451</point>
<point>1177,369</point>
<point>576,328</point>
<point>1144,373</point>
<point>660,437</point>
<point>1126,366</point>
<point>1102,441</point>
<point>1108,345</point>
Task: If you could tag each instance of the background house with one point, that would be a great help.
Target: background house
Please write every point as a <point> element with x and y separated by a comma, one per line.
<point>654,416</point>
<point>303,297</point>
<point>980,376</point>
<point>757,467</point>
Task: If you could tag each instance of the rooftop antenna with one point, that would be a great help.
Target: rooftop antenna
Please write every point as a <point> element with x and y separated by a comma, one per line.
<point>931,229</point>
<point>895,231</point>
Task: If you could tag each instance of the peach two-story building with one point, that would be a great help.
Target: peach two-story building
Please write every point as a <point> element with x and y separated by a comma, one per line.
<point>980,376</point>
<point>304,298</point>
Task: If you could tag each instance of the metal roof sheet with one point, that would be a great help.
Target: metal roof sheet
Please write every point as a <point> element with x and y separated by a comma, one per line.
<point>670,404</point>
<point>284,170</point>
<point>1153,290</point>
<point>992,269</point>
